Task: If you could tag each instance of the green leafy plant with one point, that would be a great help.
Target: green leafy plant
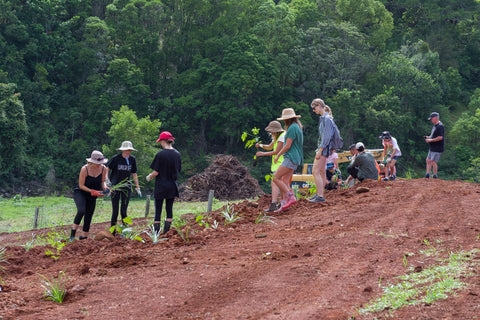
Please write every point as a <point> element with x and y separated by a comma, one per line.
<point>229,214</point>
<point>126,222</point>
<point>126,230</point>
<point>156,236</point>
<point>431,284</point>
<point>202,221</point>
<point>3,258</point>
<point>54,239</point>
<point>253,139</point>
<point>183,233</point>
<point>30,244</point>
<point>54,288</point>
<point>126,183</point>
<point>264,218</point>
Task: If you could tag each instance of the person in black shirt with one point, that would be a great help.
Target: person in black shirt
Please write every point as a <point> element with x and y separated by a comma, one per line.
<point>91,182</point>
<point>436,141</point>
<point>166,166</point>
<point>121,167</point>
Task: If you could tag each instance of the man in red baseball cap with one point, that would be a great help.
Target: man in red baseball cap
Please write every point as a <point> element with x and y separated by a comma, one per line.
<point>165,135</point>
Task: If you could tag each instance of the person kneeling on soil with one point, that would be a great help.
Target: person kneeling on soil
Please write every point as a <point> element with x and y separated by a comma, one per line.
<point>334,176</point>
<point>364,165</point>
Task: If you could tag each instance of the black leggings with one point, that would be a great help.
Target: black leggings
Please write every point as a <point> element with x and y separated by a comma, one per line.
<point>124,195</point>
<point>85,208</point>
<point>168,208</point>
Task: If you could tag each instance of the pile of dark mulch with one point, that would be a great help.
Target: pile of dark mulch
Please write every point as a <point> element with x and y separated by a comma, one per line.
<point>227,177</point>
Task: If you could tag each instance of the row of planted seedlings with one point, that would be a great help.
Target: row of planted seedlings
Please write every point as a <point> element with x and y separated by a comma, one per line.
<point>55,240</point>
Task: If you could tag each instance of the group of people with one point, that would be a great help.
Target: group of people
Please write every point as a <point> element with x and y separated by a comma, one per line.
<point>99,175</point>
<point>286,150</point>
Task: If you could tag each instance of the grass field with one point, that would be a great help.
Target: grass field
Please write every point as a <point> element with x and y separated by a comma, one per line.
<point>18,214</point>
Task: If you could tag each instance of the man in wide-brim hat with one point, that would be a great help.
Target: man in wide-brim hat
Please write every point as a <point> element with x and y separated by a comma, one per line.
<point>120,168</point>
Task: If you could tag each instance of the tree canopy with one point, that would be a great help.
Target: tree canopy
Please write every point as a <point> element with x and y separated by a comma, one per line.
<point>82,75</point>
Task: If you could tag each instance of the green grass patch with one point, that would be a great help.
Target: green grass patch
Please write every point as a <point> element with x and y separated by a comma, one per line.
<point>18,214</point>
<point>425,287</point>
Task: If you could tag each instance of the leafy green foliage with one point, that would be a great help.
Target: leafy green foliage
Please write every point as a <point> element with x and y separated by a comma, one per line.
<point>206,70</point>
<point>54,288</point>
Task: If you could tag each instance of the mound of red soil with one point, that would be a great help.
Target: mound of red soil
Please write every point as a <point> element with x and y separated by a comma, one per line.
<point>313,261</point>
<point>229,179</point>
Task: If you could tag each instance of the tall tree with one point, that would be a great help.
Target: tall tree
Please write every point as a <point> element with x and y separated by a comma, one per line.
<point>13,132</point>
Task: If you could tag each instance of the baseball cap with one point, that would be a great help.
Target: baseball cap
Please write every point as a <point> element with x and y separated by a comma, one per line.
<point>385,135</point>
<point>359,145</point>
<point>330,165</point>
<point>433,114</point>
<point>165,135</point>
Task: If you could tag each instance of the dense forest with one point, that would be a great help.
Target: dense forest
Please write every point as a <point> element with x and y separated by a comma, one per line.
<point>79,75</point>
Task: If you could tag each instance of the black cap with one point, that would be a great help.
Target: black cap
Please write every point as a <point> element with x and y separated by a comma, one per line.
<point>385,135</point>
<point>433,114</point>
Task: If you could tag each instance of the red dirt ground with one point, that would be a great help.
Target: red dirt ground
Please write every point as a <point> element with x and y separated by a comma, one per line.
<point>319,261</point>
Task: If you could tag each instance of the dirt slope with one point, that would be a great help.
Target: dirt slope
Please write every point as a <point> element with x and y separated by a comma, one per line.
<point>319,261</point>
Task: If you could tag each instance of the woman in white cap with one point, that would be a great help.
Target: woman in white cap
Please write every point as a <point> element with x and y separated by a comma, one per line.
<point>292,152</point>
<point>91,183</point>
<point>166,166</point>
<point>275,129</point>
<point>121,167</point>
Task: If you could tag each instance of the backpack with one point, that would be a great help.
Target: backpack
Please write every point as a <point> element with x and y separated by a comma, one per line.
<point>337,141</point>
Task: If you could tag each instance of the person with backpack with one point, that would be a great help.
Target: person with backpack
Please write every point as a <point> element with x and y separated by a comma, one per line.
<point>329,141</point>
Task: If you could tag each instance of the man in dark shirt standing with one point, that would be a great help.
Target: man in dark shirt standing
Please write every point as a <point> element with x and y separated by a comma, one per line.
<point>436,141</point>
<point>121,167</point>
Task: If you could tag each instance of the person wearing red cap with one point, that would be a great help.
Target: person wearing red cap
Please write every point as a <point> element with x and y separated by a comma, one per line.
<point>166,166</point>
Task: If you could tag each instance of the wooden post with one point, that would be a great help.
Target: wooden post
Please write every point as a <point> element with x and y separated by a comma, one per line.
<point>147,207</point>
<point>35,220</point>
<point>210,200</point>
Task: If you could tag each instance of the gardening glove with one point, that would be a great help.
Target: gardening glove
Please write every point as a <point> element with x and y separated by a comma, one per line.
<point>139,192</point>
<point>96,193</point>
<point>108,182</point>
<point>149,177</point>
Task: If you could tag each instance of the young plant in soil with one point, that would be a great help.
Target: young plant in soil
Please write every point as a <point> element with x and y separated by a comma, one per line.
<point>3,259</point>
<point>425,287</point>
<point>154,235</point>
<point>229,214</point>
<point>54,288</point>
<point>253,134</point>
<point>57,240</point>
<point>264,218</point>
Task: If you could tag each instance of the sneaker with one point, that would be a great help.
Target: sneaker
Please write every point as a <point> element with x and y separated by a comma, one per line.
<point>427,176</point>
<point>393,177</point>
<point>435,176</point>
<point>281,206</point>
<point>312,197</point>
<point>317,199</point>
<point>385,179</point>
<point>272,208</point>
<point>291,199</point>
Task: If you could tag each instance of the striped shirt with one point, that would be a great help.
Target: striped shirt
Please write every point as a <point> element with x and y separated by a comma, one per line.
<point>326,130</point>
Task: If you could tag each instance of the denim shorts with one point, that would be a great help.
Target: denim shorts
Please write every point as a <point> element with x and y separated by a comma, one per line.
<point>434,156</point>
<point>289,164</point>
